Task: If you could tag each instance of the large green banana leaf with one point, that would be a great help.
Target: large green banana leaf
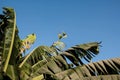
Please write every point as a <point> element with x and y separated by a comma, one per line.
<point>37,56</point>
<point>86,72</point>
<point>55,68</point>
<point>43,63</point>
<point>9,36</point>
<point>10,46</point>
<point>39,53</point>
<point>102,77</point>
<point>105,70</point>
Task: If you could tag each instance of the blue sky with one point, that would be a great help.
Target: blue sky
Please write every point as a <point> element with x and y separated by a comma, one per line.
<point>83,20</point>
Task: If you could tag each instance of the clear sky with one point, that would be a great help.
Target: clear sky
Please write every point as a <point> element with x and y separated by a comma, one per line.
<point>83,20</point>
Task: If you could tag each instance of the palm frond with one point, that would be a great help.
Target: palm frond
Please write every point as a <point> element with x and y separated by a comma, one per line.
<point>53,64</point>
<point>9,36</point>
<point>83,51</point>
<point>104,67</point>
<point>10,45</point>
<point>102,77</point>
<point>39,53</point>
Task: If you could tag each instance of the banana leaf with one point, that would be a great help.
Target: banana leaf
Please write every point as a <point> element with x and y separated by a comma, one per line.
<point>101,68</point>
<point>10,46</point>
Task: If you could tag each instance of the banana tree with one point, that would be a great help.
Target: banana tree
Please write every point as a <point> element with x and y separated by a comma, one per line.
<point>49,62</point>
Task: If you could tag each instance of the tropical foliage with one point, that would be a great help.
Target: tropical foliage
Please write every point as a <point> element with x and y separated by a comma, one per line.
<point>49,62</point>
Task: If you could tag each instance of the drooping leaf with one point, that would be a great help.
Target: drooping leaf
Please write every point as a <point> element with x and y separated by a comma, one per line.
<point>58,61</point>
<point>102,77</point>
<point>54,65</point>
<point>9,36</point>
<point>84,72</point>
<point>83,51</point>
<point>39,53</point>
